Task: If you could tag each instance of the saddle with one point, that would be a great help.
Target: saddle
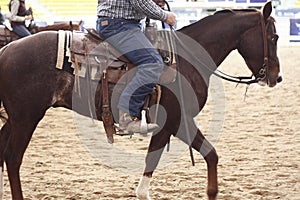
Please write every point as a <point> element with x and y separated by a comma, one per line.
<point>94,58</point>
<point>90,49</point>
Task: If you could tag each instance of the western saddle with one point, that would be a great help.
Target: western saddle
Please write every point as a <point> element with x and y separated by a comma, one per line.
<point>105,63</point>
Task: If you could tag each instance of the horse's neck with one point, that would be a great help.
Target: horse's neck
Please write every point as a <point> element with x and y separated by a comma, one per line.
<point>221,36</point>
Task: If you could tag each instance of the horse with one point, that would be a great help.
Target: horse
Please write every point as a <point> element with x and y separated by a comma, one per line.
<point>7,36</point>
<point>30,84</point>
<point>57,26</point>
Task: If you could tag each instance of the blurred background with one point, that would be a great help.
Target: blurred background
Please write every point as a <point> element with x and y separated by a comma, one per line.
<point>286,12</point>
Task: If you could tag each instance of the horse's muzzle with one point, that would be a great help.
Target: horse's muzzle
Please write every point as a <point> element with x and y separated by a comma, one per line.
<point>269,82</point>
<point>278,80</point>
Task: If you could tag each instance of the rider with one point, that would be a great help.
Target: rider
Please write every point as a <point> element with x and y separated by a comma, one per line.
<point>2,17</point>
<point>119,23</point>
<point>19,14</point>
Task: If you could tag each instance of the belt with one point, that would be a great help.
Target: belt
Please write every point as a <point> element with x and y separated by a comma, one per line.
<point>129,20</point>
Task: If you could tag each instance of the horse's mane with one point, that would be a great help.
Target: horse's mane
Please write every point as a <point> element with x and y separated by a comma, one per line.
<point>235,10</point>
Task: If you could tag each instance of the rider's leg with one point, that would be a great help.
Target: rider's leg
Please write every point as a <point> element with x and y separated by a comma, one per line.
<point>128,38</point>
<point>21,31</point>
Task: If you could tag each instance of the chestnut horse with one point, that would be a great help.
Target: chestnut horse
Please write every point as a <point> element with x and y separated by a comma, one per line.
<point>69,26</point>
<point>30,84</point>
<point>7,36</point>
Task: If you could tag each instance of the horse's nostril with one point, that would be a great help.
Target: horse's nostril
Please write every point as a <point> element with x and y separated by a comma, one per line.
<point>279,79</point>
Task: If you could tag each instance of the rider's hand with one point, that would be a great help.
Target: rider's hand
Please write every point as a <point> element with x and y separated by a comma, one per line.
<point>28,17</point>
<point>171,19</point>
<point>160,3</point>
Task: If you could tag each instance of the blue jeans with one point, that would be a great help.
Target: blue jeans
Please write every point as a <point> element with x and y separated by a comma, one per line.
<point>127,37</point>
<point>21,31</point>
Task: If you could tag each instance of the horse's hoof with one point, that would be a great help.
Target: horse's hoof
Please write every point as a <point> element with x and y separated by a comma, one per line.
<point>142,194</point>
<point>212,194</point>
<point>142,191</point>
<point>143,197</point>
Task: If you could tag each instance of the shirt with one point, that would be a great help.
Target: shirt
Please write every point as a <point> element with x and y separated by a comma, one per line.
<point>131,9</point>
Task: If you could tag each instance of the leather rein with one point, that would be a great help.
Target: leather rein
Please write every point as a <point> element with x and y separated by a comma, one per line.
<point>262,73</point>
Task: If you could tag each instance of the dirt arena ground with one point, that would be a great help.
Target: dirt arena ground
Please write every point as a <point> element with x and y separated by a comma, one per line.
<point>258,143</point>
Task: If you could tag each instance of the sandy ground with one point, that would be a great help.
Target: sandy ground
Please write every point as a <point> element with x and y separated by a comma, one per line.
<point>258,143</point>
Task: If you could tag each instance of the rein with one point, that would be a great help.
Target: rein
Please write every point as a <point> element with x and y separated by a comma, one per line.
<point>236,79</point>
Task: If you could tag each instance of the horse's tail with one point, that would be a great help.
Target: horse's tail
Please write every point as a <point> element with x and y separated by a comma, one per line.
<point>3,115</point>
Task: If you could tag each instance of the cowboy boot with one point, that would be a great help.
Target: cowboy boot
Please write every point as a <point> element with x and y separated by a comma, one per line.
<point>129,124</point>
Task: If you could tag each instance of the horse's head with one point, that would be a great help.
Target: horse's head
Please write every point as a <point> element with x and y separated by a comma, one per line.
<point>33,28</point>
<point>260,53</point>
<point>76,27</point>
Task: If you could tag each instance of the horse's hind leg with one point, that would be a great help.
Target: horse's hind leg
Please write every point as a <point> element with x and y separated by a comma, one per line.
<point>1,181</point>
<point>4,135</point>
<point>20,135</point>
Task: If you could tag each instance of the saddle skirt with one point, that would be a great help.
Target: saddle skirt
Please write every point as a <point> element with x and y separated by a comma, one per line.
<point>90,56</point>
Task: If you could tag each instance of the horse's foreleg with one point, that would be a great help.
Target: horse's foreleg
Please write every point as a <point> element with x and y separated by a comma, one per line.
<point>191,135</point>
<point>152,160</point>
<point>156,147</point>
<point>142,191</point>
<point>209,153</point>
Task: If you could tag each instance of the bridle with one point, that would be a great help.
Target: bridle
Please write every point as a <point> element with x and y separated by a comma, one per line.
<point>262,73</point>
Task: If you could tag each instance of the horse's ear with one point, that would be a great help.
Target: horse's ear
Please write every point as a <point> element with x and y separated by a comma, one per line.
<point>267,10</point>
<point>80,23</point>
<point>71,23</point>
